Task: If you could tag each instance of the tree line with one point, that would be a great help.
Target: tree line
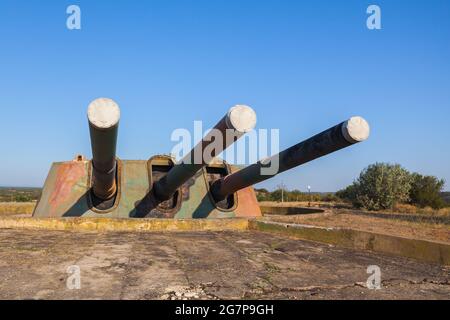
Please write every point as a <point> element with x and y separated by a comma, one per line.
<point>380,186</point>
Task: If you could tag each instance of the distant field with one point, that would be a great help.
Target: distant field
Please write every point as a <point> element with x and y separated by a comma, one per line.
<point>14,208</point>
<point>13,194</point>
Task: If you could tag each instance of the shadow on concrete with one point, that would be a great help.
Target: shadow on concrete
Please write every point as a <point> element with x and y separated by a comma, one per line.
<point>290,210</point>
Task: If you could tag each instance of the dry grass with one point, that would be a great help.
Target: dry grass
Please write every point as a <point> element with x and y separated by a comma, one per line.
<point>13,208</point>
<point>407,208</point>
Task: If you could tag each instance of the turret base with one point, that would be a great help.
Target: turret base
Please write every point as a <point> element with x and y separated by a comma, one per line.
<point>67,193</point>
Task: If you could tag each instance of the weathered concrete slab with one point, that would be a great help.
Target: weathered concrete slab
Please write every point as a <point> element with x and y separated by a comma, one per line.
<point>201,265</point>
<point>428,251</point>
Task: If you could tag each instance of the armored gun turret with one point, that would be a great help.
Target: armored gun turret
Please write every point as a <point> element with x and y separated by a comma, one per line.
<point>199,186</point>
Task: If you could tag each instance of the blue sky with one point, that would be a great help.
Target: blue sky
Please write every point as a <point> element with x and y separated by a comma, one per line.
<point>302,65</point>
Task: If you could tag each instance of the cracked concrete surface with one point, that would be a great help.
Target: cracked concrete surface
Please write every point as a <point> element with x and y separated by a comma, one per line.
<point>203,265</point>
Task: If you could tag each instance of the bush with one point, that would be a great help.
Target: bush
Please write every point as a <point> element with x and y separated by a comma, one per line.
<point>426,191</point>
<point>292,196</point>
<point>262,195</point>
<point>22,198</point>
<point>330,197</point>
<point>380,186</point>
<point>348,194</point>
<point>383,186</point>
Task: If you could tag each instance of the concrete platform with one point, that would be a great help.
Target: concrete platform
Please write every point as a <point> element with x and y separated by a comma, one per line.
<point>422,250</point>
<point>202,265</point>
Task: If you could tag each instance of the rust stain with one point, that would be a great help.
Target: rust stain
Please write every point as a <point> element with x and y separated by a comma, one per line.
<point>247,204</point>
<point>67,176</point>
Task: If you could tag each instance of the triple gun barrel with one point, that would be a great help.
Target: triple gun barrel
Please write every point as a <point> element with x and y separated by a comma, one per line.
<point>104,116</point>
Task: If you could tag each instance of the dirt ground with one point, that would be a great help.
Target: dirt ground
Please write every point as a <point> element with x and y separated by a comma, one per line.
<point>414,230</point>
<point>206,265</point>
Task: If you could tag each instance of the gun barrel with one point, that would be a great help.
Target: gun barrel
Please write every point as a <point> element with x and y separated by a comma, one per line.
<point>239,120</point>
<point>104,116</point>
<point>345,134</point>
